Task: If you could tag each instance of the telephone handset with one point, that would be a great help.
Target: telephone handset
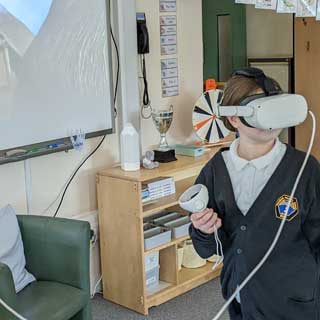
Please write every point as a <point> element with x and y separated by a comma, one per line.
<point>143,35</point>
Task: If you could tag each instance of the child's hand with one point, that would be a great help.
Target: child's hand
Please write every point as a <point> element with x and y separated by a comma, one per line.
<point>206,221</point>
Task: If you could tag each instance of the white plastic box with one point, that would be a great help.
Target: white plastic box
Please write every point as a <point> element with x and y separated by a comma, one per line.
<point>151,261</point>
<point>156,236</point>
<point>152,277</point>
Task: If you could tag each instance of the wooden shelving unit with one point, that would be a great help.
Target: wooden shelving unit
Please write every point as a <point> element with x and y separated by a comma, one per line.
<point>121,214</point>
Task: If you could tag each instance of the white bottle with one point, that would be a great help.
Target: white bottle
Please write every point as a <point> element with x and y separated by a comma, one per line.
<point>129,148</point>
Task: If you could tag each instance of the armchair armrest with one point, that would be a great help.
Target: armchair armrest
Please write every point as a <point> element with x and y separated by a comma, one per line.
<point>7,291</point>
<point>57,249</point>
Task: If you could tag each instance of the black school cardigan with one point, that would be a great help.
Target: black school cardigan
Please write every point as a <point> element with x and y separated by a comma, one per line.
<point>287,287</point>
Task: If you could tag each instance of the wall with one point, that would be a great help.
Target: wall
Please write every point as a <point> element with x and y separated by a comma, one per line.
<point>190,59</point>
<point>269,34</point>
<point>49,173</point>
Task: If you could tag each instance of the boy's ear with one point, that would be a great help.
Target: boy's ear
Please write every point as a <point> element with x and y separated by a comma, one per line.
<point>234,121</point>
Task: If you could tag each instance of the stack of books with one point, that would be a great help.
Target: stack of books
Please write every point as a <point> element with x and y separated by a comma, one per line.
<point>145,194</point>
<point>158,188</point>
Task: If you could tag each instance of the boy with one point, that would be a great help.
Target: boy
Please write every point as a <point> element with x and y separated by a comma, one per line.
<point>248,186</point>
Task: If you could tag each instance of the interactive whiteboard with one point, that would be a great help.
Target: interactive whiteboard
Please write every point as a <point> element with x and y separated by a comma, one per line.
<point>55,70</point>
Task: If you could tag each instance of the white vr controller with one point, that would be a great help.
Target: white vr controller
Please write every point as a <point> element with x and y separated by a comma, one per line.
<point>195,198</point>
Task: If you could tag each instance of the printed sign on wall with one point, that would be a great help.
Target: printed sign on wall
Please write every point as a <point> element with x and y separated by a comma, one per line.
<point>246,1</point>
<point>169,77</point>
<point>168,21</point>
<point>168,5</point>
<point>307,8</point>
<point>287,6</point>
<point>168,34</point>
<point>318,11</point>
<point>266,4</point>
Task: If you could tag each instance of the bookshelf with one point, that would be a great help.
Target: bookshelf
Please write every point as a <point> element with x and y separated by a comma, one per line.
<point>121,214</point>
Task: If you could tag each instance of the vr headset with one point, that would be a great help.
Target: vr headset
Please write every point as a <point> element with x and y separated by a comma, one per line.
<point>269,110</point>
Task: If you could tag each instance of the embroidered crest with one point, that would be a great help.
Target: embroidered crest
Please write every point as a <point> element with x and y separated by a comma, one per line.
<point>281,207</point>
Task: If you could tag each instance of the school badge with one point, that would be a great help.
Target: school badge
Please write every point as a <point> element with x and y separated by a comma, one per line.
<point>281,207</point>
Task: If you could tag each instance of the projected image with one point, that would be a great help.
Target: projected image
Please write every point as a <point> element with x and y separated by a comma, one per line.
<point>32,13</point>
<point>21,21</point>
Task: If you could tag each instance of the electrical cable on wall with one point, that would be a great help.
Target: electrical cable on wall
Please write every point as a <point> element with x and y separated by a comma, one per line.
<point>143,49</point>
<point>118,72</point>
<point>103,138</point>
<point>146,103</point>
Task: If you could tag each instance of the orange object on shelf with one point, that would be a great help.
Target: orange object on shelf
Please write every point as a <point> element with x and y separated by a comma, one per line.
<point>210,84</point>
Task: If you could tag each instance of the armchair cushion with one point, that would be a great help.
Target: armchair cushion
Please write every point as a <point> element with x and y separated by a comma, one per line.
<point>50,300</point>
<point>11,248</point>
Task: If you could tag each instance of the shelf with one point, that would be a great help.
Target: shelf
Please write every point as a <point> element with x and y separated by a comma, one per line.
<point>169,244</point>
<point>188,275</point>
<point>169,201</point>
<point>188,279</point>
<point>161,287</point>
<point>184,164</point>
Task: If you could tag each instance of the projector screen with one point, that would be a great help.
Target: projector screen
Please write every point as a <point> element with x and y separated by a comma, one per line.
<point>55,70</point>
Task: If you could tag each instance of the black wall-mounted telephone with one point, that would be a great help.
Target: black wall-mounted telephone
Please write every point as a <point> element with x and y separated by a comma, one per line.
<point>143,36</point>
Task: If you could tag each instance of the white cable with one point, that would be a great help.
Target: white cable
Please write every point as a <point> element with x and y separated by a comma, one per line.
<point>95,287</point>
<point>276,238</point>
<point>17,315</point>
<point>219,250</point>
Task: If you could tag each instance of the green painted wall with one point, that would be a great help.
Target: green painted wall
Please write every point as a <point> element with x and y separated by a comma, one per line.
<point>211,10</point>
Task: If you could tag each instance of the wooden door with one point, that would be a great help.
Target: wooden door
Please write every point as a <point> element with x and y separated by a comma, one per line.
<point>212,10</point>
<point>307,78</point>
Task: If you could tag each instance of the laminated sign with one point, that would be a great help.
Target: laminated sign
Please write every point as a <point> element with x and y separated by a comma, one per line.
<point>287,6</point>
<point>318,11</point>
<point>266,4</point>
<point>306,8</point>
<point>246,1</point>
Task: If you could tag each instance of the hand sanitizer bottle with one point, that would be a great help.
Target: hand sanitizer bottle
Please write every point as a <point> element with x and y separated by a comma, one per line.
<point>130,150</point>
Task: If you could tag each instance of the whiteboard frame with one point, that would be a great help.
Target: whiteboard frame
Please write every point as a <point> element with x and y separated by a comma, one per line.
<point>44,150</point>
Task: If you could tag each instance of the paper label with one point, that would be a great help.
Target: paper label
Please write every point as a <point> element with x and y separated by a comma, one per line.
<point>287,6</point>
<point>169,73</point>
<point>170,49</point>
<point>318,11</point>
<point>168,40</point>
<point>168,30</point>
<point>266,4</point>
<point>170,82</point>
<point>306,8</point>
<point>168,6</point>
<point>170,92</point>
<point>246,1</point>
<point>168,20</point>
<point>169,63</point>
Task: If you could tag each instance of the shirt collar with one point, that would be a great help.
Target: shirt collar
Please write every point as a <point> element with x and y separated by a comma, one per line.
<point>259,163</point>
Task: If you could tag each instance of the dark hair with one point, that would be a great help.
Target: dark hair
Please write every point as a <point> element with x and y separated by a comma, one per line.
<point>236,89</point>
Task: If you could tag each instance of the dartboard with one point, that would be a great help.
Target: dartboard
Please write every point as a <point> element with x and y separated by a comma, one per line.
<point>205,122</point>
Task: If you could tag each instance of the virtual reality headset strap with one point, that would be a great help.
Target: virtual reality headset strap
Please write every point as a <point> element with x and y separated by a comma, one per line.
<point>265,83</point>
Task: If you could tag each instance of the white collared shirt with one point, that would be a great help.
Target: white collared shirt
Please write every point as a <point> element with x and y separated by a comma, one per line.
<point>248,178</point>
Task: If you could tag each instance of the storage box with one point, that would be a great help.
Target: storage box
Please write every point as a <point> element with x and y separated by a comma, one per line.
<point>187,150</point>
<point>153,216</point>
<point>152,277</point>
<point>179,227</point>
<point>155,237</point>
<point>166,218</point>
<point>151,261</point>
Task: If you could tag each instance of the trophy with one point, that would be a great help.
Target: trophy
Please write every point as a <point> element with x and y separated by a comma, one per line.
<point>162,119</point>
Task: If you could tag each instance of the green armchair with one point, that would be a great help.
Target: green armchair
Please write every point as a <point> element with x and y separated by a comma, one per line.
<point>57,254</point>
